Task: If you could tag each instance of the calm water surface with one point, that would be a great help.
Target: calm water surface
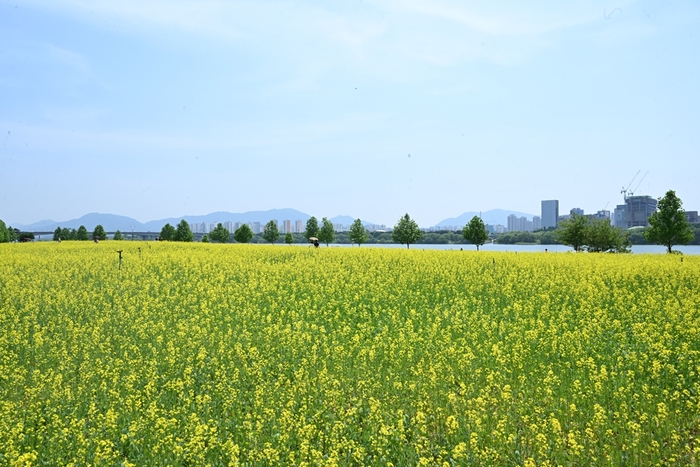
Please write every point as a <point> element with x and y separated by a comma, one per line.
<point>656,249</point>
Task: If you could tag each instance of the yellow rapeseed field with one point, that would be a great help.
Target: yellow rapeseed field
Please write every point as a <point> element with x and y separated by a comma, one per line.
<point>196,354</point>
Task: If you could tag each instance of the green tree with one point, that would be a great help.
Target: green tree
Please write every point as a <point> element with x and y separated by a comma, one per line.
<point>118,235</point>
<point>406,231</point>
<point>99,233</point>
<point>572,232</point>
<point>25,237</point>
<point>547,238</point>
<point>57,234</point>
<point>311,228</point>
<point>219,234</point>
<point>601,236</point>
<point>358,233</point>
<point>4,233</point>
<point>475,232</point>
<point>669,226</point>
<point>12,233</point>
<point>288,238</point>
<point>271,232</point>
<point>205,238</point>
<point>243,234</point>
<point>326,233</point>
<point>183,233</point>
<point>167,233</point>
<point>82,234</point>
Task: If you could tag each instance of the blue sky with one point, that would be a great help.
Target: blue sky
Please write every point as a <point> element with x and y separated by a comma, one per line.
<point>371,108</point>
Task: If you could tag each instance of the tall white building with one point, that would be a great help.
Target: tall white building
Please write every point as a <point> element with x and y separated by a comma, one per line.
<point>286,226</point>
<point>536,223</point>
<point>519,224</point>
<point>550,213</point>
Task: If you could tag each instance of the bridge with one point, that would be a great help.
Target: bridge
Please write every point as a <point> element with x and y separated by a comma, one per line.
<point>136,236</point>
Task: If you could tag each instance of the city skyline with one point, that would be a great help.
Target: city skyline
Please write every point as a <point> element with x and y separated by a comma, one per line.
<point>377,108</point>
<point>633,213</point>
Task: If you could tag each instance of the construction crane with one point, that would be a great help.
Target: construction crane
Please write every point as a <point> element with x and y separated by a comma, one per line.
<point>640,182</point>
<point>624,190</point>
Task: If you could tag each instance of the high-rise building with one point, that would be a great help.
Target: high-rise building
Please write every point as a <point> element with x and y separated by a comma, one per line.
<point>519,224</point>
<point>638,209</point>
<point>512,223</point>
<point>619,217</point>
<point>602,215</point>
<point>550,213</point>
<point>536,223</point>
<point>299,226</point>
<point>577,211</point>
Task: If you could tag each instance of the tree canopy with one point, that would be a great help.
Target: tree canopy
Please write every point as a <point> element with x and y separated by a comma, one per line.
<point>572,232</point>
<point>288,238</point>
<point>183,233</point>
<point>669,225</point>
<point>475,232</point>
<point>243,234</point>
<point>406,231</point>
<point>358,233</point>
<point>326,233</point>
<point>25,237</point>
<point>4,233</point>
<point>99,233</point>
<point>118,235</point>
<point>271,232</point>
<point>311,228</point>
<point>82,234</point>
<point>602,236</point>
<point>167,233</point>
<point>219,234</point>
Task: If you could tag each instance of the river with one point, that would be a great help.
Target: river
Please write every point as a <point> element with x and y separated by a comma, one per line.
<point>654,249</point>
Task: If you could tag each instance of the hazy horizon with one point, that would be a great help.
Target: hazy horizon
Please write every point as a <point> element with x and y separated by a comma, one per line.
<point>156,109</point>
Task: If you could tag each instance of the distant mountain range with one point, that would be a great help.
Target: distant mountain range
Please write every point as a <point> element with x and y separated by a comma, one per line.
<point>112,222</point>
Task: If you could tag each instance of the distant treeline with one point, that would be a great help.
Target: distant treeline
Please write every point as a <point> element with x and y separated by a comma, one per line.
<point>547,237</point>
<point>447,237</point>
<point>444,237</point>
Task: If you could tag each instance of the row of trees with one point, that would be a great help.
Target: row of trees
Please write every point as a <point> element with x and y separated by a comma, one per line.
<point>82,234</point>
<point>325,233</point>
<point>668,226</point>
<point>406,231</point>
<point>8,234</point>
<point>181,233</point>
<point>594,235</point>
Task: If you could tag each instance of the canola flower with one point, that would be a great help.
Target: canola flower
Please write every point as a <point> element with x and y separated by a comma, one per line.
<point>197,354</point>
